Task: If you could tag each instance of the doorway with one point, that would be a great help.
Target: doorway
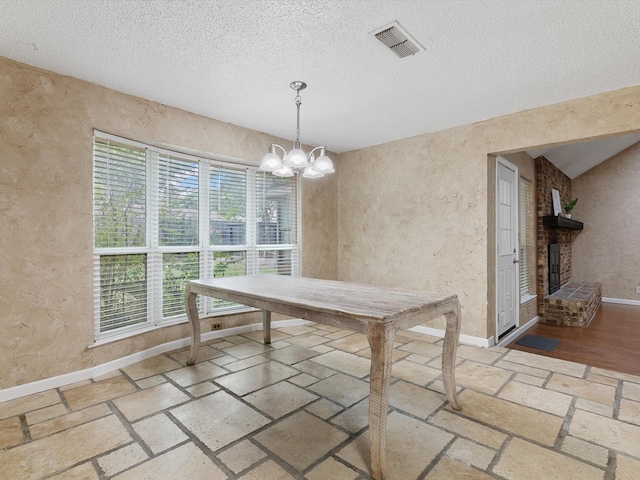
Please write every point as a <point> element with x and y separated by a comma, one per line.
<point>507,300</point>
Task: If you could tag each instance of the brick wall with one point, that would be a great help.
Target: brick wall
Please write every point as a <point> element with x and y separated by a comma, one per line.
<point>549,177</point>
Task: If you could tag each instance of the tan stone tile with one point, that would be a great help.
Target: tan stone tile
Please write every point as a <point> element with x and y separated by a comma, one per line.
<point>620,376</point>
<point>497,349</point>
<point>223,360</point>
<point>538,398</point>
<point>84,471</point>
<point>546,363</point>
<point>10,432</point>
<point>241,456</point>
<point>151,366</point>
<point>26,404</point>
<point>279,344</point>
<point>345,362</point>
<point>351,343</point>
<point>237,339</point>
<point>527,461</point>
<point>529,379</point>
<point>321,349</point>
<point>151,381</point>
<point>592,377</point>
<point>205,353</point>
<point>297,330</point>
<point>339,334</point>
<point>414,373</point>
<point>74,385</point>
<point>594,407</point>
<point>186,461</point>
<point>329,328</point>
<point>46,413</point>
<point>517,367</point>
<point>256,377</point>
<point>411,446</point>
<point>151,400</point>
<point>415,358</point>
<point>105,376</point>
<point>246,350</point>
<point>627,468</point>
<point>527,422</point>
<point>471,453</point>
<point>412,399</point>
<point>73,419</point>
<point>308,340</point>
<point>47,455</point>
<point>323,408</point>
<point>438,387</point>
<point>585,450</point>
<point>301,439</point>
<point>258,335</point>
<point>629,411</point>
<point>280,399</point>
<point>303,380</point>
<point>268,469</point>
<point>425,349</point>
<point>447,469</point>
<point>220,343</point>
<point>477,354</point>
<point>197,373</point>
<point>631,391</point>
<point>219,419</point>
<point>121,459</point>
<point>469,429</point>
<point>202,389</point>
<point>291,354</point>
<point>331,469</point>
<point>341,389</point>
<point>582,388</point>
<point>98,392</point>
<point>314,369</point>
<point>423,337</point>
<point>159,433</point>
<point>607,432</point>
<point>481,377</point>
<point>355,418</point>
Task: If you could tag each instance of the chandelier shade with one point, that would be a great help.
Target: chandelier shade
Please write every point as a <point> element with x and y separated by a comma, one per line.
<point>296,160</point>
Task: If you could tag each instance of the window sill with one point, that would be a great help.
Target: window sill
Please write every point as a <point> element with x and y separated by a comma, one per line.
<point>527,298</point>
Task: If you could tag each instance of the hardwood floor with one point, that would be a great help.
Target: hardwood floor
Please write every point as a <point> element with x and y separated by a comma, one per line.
<point>611,341</point>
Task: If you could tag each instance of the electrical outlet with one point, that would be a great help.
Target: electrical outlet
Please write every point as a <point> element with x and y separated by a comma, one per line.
<point>216,326</point>
<point>637,289</point>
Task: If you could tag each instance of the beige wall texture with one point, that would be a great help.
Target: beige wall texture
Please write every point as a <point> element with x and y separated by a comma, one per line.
<point>419,213</point>
<point>46,126</point>
<point>608,249</point>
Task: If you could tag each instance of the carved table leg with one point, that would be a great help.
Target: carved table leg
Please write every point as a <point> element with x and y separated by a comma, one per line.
<point>266,326</point>
<point>451,335</point>
<point>380,338</point>
<point>194,323</point>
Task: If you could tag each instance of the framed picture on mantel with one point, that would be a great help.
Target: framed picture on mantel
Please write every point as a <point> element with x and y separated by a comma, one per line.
<point>557,209</point>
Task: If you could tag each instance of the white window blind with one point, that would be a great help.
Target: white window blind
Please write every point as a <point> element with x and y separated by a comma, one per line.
<point>120,213</point>
<point>526,235</point>
<point>162,218</point>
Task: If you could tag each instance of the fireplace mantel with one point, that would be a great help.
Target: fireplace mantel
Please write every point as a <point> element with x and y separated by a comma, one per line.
<point>561,222</point>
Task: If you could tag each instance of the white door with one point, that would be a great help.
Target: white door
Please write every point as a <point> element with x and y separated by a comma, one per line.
<point>506,220</point>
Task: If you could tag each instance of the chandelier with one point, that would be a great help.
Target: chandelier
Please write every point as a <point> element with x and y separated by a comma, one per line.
<point>296,160</point>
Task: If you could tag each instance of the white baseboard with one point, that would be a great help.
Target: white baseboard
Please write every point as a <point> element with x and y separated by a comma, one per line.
<point>517,332</point>
<point>102,369</point>
<point>468,339</point>
<point>622,301</point>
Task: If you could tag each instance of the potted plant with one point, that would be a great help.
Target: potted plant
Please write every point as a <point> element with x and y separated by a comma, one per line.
<point>568,206</point>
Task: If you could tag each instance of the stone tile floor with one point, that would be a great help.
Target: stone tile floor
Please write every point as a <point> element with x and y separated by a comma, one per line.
<point>298,409</point>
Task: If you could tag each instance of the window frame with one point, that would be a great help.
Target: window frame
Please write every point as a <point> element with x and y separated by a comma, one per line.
<point>156,253</point>
<point>525,240</point>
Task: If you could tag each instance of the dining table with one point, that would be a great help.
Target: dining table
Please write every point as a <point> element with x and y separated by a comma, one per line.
<point>375,311</point>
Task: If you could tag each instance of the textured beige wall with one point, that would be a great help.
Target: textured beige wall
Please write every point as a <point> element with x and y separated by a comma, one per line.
<point>418,213</point>
<point>46,123</point>
<point>607,250</point>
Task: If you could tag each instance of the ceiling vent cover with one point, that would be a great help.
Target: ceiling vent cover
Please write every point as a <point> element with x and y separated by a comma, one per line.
<point>397,39</point>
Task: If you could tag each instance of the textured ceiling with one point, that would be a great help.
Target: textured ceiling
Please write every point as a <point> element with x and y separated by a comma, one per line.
<point>234,60</point>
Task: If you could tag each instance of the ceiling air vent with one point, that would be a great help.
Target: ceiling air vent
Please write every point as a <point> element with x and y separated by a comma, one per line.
<point>397,39</point>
